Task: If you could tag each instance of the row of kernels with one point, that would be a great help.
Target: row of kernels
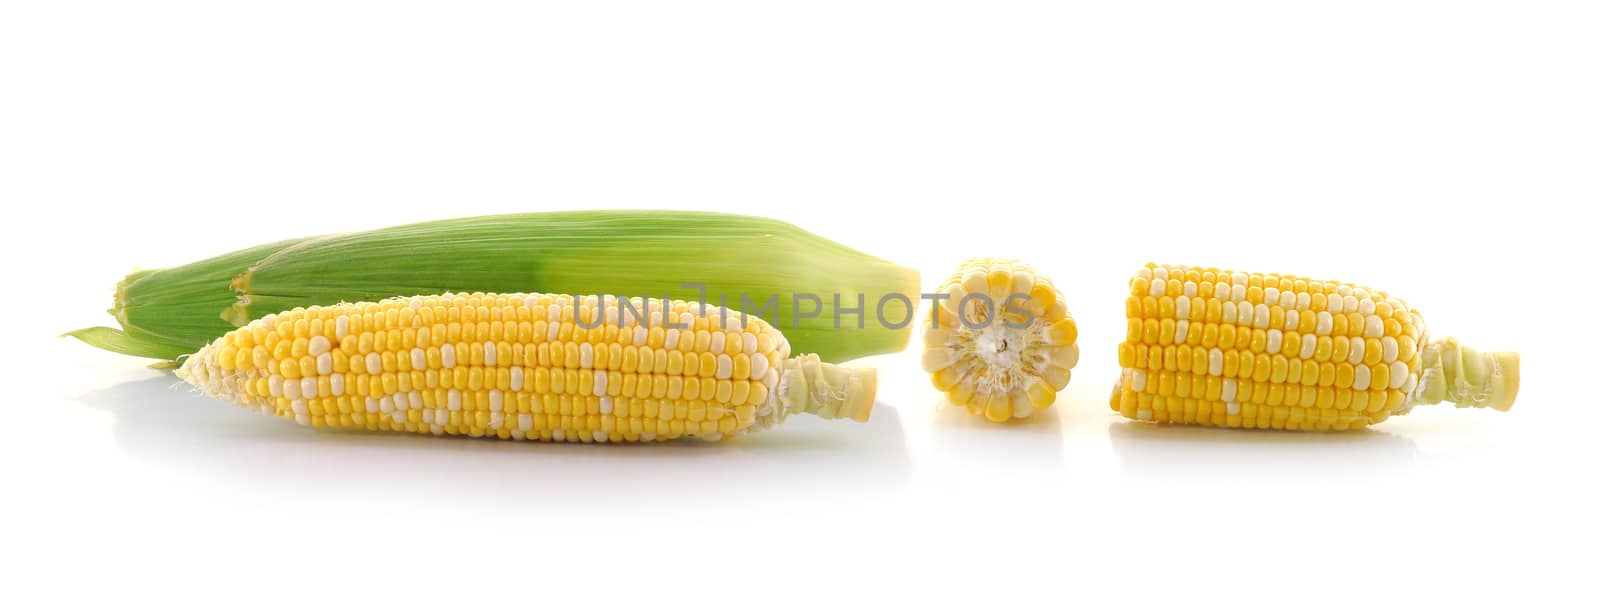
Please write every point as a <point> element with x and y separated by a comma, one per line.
<point>603,429</point>
<point>1371,351</point>
<point>1270,367</point>
<point>1251,416</point>
<point>1182,385</point>
<point>1283,282</point>
<point>583,383</point>
<point>1262,316</point>
<point>487,406</point>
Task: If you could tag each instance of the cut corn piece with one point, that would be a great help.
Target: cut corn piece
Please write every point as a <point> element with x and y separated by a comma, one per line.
<point>1003,343</point>
<point>1268,351</point>
<point>526,366</point>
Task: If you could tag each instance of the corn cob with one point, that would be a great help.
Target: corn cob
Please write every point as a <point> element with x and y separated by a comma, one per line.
<point>1002,343</point>
<point>1266,351</point>
<point>526,366</point>
<point>168,313</point>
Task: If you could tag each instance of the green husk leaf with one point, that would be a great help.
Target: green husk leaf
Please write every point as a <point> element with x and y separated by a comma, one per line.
<point>629,253</point>
<point>118,341</point>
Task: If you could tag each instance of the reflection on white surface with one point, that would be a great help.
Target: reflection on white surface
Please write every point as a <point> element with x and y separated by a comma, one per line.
<point>159,423</point>
<point>1159,452</point>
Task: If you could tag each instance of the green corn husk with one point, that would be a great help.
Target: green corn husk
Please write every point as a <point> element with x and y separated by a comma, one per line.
<point>169,313</point>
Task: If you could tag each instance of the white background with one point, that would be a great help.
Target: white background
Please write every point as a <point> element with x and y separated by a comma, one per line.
<point>1445,151</point>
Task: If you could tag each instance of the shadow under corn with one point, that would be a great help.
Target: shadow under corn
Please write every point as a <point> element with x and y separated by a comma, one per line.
<point>160,422</point>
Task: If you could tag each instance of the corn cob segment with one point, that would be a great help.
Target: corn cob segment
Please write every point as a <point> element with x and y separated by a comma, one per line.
<point>526,366</point>
<point>1002,344</point>
<point>1236,349</point>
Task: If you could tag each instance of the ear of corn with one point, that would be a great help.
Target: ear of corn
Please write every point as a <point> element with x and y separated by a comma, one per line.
<point>1002,343</point>
<point>526,366</point>
<point>1236,349</point>
<point>637,253</point>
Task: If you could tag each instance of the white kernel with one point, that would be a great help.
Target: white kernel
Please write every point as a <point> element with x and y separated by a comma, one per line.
<point>1324,323</point>
<point>600,382</point>
<point>1221,291</point>
<point>1410,383</point>
<point>1335,304</point>
<point>291,389</point>
<point>1139,380</point>
<point>488,353</point>
<point>586,355</point>
<point>497,400</point>
<point>1160,274</point>
<point>1240,278</point>
<point>414,400</point>
<point>419,359</point>
<point>672,338</point>
<point>1374,326</point>
<point>1230,389</point>
<point>1216,362</point>
<point>1182,332</point>
<point>1398,372</point>
<point>1158,287</point>
<point>386,404</point>
<point>1230,312</point>
<point>1358,349</point>
<point>1272,295</point>
<point>1366,306</point>
<point>758,366</point>
<point>605,405</point>
<point>447,355</point>
<point>1291,320</point>
<point>275,385</point>
<point>517,434</point>
<point>525,422</point>
<point>1363,377</point>
<point>1361,293</point>
<point>640,335</point>
<point>1274,340</point>
<point>1351,304</point>
<point>647,437</point>
<point>422,337</point>
<point>341,326</point>
<point>724,366</point>
<point>516,378</point>
<point>552,313</point>
<point>453,399</point>
<point>559,435</point>
<point>1144,414</point>
<point>318,345</point>
<point>308,387</point>
<point>1143,273</point>
<point>1233,408</point>
<point>402,401</point>
<point>1191,289</point>
<point>1308,346</point>
<point>750,343</point>
<point>374,363</point>
<point>325,363</point>
<point>1391,349</point>
<point>1183,307</point>
<point>1344,290</point>
<point>1239,293</point>
<point>497,420</point>
<point>437,430</point>
<point>718,340</point>
<point>1263,315</point>
<point>371,405</point>
<point>1302,301</point>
